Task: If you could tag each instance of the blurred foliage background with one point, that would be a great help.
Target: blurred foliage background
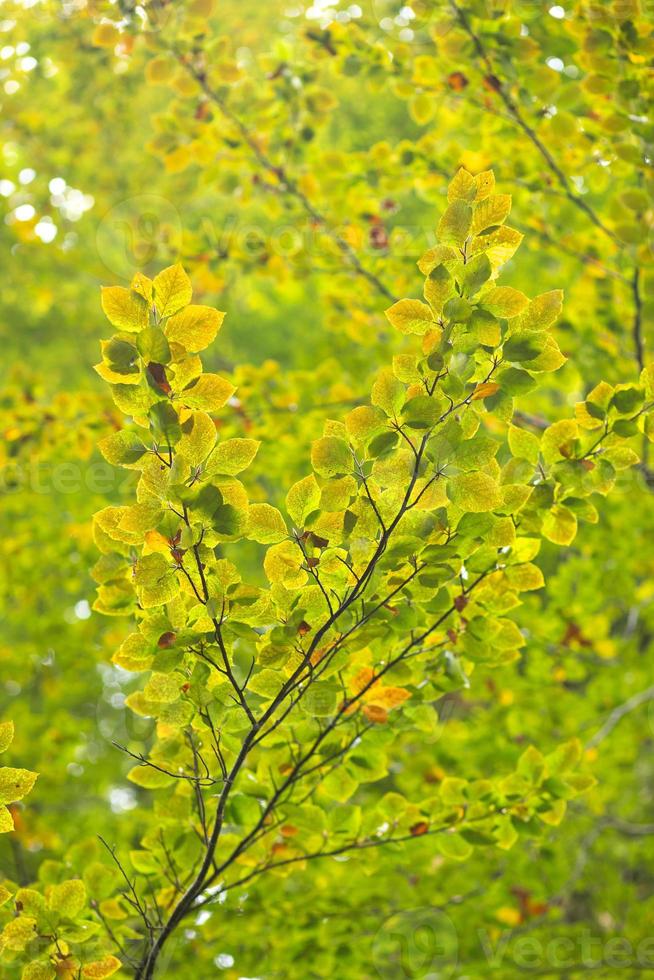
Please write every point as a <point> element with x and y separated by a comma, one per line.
<point>295,159</point>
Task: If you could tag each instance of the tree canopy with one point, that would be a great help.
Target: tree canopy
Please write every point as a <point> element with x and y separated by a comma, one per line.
<point>326,489</point>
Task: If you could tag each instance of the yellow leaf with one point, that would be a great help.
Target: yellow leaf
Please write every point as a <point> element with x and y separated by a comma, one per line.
<point>159,70</point>
<point>105,36</point>
<point>100,969</point>
<point>484,390</point>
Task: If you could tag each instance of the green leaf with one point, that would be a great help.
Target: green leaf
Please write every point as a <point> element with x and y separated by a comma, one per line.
<point>452,845</point>
<point>38,971</point>
<point>475,273</point>
<point>524,444</point>
<point>124,448</point>
<point>172,290</point>
<point>524,345</point>
<point>532,765</point>
<point>266,683</point>
<point>153,346</point>
<point>131,399</point>
<point>149,778</point>
<point>320,700</point>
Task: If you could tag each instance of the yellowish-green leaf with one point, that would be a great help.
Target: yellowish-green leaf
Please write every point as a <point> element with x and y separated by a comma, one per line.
<point>143,286</point>
<point>209,392</point>
<point>38,971</point>
<point>499,245</point>
<point>123,448</point>
<point>6,820</point>
<point>172,290</point>
<point>99,969</point>
<point>410,316</point>
<point>557,442</point>
<point>331,456</point>
<point>302,499</point>
<point>505,301</point>
<point>492,211</point>
<point>265,524</point>
<point>18,933</point>
<point>439,286</point>
<point>484,185</point>
<point>6,735</point>
<point>155,581</point>
<point>388,393</point>
<point>163,688</point>
<point>149,778</point>
<point>198,438</point>
<point>524,578</point>
<point>363,422</point>
<point>474,492</point>
<point>542,312</point>
<point>68,898</point>
<point>560,525</point>
<point>232,456</point>
<point>124,308</point>
<point>462,188</point>
<point>283,565</point>
<point>524,444</point>
<point>454,226</point>
<point>452,845</point>
<point>194,327</point>
<point>15,783</point>
<point>422,107</point>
